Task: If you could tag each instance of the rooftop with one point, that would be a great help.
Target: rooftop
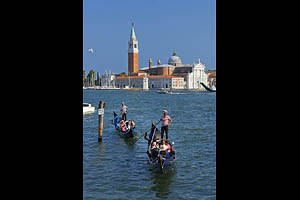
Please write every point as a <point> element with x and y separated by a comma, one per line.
<point>137,77</point>
<point>166,65</point>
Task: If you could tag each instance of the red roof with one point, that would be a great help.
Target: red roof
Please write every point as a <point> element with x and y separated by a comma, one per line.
<point>134,77</point>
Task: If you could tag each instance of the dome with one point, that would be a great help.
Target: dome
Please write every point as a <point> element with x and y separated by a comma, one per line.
<point>174,59</point>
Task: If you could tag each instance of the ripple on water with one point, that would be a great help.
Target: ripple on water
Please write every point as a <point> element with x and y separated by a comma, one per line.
<point>118,169</point>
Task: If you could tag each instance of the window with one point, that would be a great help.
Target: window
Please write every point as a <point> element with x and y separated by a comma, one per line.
<point>135,46</point>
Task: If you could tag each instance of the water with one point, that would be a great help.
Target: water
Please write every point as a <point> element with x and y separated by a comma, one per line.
<point>119,169</point>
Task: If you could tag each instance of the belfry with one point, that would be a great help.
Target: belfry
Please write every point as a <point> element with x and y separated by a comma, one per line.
<point>133,53</point>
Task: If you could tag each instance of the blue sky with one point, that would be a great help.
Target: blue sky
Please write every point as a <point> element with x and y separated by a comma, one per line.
<point>189,26</point>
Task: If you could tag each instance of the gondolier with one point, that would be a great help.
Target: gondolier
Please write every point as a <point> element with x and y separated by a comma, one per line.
<point>123,111</point>
<point>165,124</point>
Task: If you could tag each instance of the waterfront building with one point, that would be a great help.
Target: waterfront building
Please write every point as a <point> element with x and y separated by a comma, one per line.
<point>174,75</point>
<point>132,82</point>
<point>193,74</point>
<point>108,80</point>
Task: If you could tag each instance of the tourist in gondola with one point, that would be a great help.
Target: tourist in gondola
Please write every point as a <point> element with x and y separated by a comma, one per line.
<point>123,126</point>
<point>164,149</point>
<point>155,145</point>
<point>124,111</point>
<point>165,124</point>
<point>170,148</point>
<point>132,124</point>
<point>128,124</point>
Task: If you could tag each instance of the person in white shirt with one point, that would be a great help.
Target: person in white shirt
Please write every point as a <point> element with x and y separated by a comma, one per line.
<point>123,111</point>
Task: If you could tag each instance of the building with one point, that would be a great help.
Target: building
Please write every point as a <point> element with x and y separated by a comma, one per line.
<point>174,75</point>
<point>132,82</point>
<point>108,80</point>
<point>212,77</point>
<point>133,53</point>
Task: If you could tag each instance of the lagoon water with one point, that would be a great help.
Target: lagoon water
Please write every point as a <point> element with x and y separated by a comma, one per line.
<point>119,169</point>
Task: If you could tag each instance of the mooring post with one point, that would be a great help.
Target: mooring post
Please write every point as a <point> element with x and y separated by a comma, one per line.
<point>100,122</point>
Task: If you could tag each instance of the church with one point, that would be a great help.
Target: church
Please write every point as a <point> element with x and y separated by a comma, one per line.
<point>174,75</point>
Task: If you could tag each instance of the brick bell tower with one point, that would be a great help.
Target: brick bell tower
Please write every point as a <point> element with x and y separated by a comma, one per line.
<point>133,53</point>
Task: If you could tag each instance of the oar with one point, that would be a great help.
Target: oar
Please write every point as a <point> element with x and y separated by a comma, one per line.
<point>141,136</point>
<point>147,131</point>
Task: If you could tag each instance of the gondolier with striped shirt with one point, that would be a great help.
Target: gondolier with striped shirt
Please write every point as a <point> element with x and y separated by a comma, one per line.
<point>124,110</point>
<point>165,124</point>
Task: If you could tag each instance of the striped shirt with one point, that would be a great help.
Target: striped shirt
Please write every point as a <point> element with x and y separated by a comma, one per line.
<point>165,120</point>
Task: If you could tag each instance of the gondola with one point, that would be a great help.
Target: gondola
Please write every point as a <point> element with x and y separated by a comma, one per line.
<point>131,133</point>
<point>157,157</point>
<point>207,88</point>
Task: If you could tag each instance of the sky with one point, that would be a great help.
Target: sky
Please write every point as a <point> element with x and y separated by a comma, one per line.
<point>188,26</point>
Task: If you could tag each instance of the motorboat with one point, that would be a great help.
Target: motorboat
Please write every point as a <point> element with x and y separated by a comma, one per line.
<point>163,92</point>
<point>88,108</point>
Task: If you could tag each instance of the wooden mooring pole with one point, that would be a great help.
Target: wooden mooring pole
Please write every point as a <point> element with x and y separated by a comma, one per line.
<point>100,122</point>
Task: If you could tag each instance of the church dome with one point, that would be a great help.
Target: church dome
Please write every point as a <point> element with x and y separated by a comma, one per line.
<point>174,59</point>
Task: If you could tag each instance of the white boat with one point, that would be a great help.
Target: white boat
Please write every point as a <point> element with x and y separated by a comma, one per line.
<point>88,108</point>
<point>163,92</point>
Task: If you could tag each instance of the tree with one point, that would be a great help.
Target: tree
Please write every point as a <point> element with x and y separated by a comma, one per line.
<point>98,79</point>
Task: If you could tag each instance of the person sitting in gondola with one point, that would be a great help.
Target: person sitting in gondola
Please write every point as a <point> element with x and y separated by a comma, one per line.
<point>164,149</point>
<point>132,124</point>
<point>170,147</point>
<point>123,126</point>
<point>155,149</point>
<point>128,124</point>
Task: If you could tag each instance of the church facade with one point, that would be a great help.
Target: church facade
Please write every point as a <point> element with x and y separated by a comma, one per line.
<point>174,75</point>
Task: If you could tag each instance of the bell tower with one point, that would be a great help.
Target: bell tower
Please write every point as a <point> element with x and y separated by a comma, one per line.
<point>133,52</point>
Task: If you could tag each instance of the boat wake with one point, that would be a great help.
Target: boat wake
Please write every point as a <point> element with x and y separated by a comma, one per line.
<point>176,93</point>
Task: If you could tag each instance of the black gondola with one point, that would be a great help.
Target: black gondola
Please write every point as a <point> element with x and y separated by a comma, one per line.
<point>208,88</point>
<point>158,158</point>
<point>125,134</point>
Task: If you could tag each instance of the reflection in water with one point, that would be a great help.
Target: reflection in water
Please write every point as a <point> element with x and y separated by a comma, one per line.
<point>162,183</point>
<point>101,148</point>
<point>130,142</point>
